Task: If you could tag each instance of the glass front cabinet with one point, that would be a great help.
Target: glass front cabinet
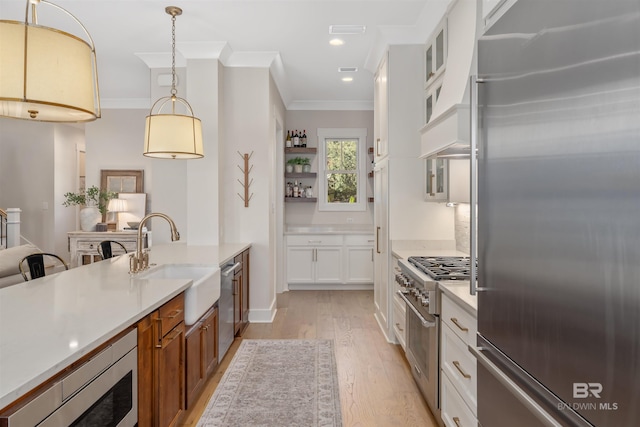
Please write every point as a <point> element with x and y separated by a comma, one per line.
<point>436,179</point>
<point>436,54</point>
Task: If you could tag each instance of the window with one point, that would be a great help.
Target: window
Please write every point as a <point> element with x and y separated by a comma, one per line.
<point>342,169</point>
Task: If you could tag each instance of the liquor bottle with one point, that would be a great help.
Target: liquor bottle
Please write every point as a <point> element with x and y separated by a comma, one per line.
<point>303,138</point>
<point>296,139</point>
<point>296,189</point>
<point>288,140</point>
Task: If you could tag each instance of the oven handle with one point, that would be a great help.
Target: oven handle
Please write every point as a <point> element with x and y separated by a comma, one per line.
<point>425,322</point>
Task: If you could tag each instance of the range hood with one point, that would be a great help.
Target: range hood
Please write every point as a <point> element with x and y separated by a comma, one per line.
<point>448,131</point>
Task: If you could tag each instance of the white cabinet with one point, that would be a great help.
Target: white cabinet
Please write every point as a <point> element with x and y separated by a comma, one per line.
<point>326,260</point>
<point>436,54</point>
<point>380,111</point>
<point>457,364</point>
<point>359,258</point>
<point>447,180</point>
<point>397,175</point>
<point>399,307</point>
<point>314,259</point>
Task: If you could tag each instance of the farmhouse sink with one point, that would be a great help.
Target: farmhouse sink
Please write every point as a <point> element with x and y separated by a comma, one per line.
<point>203,292</point>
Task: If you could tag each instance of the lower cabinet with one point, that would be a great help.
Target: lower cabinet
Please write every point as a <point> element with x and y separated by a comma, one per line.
<point>329,259</point>
<point>458,366</point>
<point>161,365</point>
<point>201,341</point>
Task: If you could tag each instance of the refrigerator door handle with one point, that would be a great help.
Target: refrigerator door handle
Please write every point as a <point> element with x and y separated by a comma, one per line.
<point>514,389</point>
<point>473,282</point>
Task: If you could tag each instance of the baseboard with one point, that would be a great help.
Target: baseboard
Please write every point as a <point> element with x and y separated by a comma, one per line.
<point>384,331</point>
<point>263,316</point>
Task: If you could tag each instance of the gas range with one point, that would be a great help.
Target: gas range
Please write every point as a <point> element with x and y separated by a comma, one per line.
<point>418,278</point>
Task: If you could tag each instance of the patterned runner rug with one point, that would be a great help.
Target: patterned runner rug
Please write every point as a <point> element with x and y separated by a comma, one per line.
<point>277,383</point>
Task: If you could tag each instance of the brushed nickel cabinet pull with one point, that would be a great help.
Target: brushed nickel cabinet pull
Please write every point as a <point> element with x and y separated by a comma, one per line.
<point>457,421</point>
<point>378,239</point>
<point>174,314</point>
<point>459,368</point>
<point>399,328</point>
<point>158,332</point>
<point>457,323</point>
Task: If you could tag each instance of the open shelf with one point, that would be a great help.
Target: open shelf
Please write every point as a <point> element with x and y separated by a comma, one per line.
<point>300,150</point>
<point>301,175</point>
<point>301,199</point>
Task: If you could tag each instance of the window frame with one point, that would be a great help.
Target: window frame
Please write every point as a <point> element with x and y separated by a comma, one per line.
<point>342,133</point>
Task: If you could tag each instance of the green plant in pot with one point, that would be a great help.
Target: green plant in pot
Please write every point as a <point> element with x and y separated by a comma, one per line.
<point>306,165</point>
<point>94,201</point>
<point>298,163</point>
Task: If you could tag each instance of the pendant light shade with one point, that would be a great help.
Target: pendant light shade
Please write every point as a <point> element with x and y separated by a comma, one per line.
<point>47,74</point>
<point>171,135</point>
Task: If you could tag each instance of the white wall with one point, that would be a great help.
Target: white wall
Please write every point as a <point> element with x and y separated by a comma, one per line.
<point>308,213</point>
<point>37,166</point>
<point>248,114</point>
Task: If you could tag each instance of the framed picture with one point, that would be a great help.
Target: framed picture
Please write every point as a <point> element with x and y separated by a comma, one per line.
<point>122,181</point>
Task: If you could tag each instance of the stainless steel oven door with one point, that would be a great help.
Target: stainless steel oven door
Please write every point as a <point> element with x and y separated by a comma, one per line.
<point>423,331</point>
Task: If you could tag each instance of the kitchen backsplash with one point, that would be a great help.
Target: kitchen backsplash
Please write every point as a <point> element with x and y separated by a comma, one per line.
<point>463,227</point>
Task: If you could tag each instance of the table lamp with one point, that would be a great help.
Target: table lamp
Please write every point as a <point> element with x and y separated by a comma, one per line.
<point>116,206</point>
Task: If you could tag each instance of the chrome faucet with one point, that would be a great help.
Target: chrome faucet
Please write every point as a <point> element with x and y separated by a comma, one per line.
<point>140,260</point>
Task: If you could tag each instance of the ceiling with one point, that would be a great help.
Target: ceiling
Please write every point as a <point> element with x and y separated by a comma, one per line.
<point>291,37</point>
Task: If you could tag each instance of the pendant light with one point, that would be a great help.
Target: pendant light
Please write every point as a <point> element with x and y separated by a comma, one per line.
<point>47,74</point>
<point>172,135</point>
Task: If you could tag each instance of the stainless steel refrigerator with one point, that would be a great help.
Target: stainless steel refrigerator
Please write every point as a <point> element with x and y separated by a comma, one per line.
<point>558,136</point>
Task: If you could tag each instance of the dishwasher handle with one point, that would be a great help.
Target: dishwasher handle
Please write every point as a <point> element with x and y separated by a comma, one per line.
<point>228,270</point>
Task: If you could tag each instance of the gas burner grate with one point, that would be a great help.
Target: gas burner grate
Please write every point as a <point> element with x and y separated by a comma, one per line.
<point>443,268</point>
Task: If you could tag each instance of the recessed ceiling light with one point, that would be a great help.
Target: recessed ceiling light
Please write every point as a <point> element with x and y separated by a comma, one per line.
<point>347,79</point>
<point>347,29</point>
<point>336,42</point>
<point>347,69</point>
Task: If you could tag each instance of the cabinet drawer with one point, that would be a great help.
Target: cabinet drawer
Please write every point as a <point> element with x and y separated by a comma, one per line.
<point>315,240</point>
<point>171,314</point>
<point>455,413</point>
<point>460,365</point>
<point>459,320</point>
<point>359,240</point>
<point>399,321</point>
<point>87,246</point>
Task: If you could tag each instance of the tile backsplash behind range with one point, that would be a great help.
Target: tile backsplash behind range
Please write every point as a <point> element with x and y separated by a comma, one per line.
<point>463,227</point>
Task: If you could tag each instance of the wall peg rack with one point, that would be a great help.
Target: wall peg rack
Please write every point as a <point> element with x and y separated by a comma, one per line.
<point>247,183</point>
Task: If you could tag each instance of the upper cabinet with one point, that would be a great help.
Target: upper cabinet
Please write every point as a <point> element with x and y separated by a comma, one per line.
<point>446,97</point>
<point>436,54</point>
<point>381,111</point>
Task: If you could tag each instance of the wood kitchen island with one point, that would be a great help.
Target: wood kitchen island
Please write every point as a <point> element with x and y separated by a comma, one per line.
<point>50,324</point>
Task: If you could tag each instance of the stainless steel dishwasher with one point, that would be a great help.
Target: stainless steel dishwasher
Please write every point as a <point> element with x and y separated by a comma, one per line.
<point>225,308</point>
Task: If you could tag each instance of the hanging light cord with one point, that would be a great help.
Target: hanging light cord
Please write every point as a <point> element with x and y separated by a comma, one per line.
<point>173,55</point>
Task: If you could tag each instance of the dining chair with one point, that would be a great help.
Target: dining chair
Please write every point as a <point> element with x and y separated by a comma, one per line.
<point>106,250</point>
<point>36,265</point>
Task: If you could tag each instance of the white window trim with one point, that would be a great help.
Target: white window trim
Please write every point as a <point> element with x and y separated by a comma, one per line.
<point>342,133</point>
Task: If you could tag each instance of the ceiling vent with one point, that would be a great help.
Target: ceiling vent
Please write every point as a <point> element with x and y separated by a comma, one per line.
<point>347,29</point>
<point>347,69</point>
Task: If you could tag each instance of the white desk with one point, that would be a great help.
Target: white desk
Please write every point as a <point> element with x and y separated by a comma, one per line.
<point>83,245</point>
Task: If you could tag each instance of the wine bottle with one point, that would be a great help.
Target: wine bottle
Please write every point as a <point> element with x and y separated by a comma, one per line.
<point>303,139</point>
<point>288,140</point>
<point>296,139</point>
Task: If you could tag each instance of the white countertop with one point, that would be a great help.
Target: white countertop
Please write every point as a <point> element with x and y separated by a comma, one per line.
<point>329,229</point>
<point>48,323</point>
<point>459,291</point>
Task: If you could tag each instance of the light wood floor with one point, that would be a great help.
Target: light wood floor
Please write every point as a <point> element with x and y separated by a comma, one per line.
<point>376,387</point>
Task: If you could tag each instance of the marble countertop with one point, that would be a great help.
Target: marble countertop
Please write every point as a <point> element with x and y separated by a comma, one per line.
<point>459,291</point>
<point>329,229</point>
<point>48,323</point>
